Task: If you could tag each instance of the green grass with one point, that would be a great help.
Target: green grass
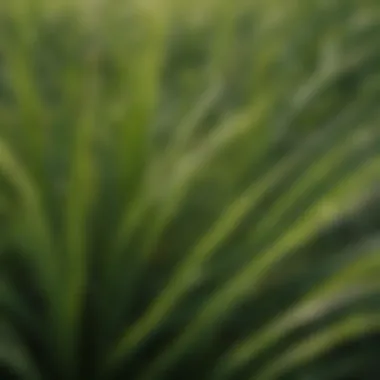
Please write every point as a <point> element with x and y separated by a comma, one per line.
<point>188,189</point>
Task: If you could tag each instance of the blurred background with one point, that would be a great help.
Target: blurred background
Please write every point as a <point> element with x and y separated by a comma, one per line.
<point>189,189</point>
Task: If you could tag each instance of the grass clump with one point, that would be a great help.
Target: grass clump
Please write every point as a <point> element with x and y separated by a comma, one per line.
<point>188,189</point>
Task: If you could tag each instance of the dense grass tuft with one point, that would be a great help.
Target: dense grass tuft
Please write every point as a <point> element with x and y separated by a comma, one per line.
<point>188,189</point>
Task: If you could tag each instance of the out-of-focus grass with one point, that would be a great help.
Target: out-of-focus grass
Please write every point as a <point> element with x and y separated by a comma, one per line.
<point>184,189</point>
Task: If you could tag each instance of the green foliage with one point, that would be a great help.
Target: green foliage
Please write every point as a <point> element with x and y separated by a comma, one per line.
<point>188,189</point>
